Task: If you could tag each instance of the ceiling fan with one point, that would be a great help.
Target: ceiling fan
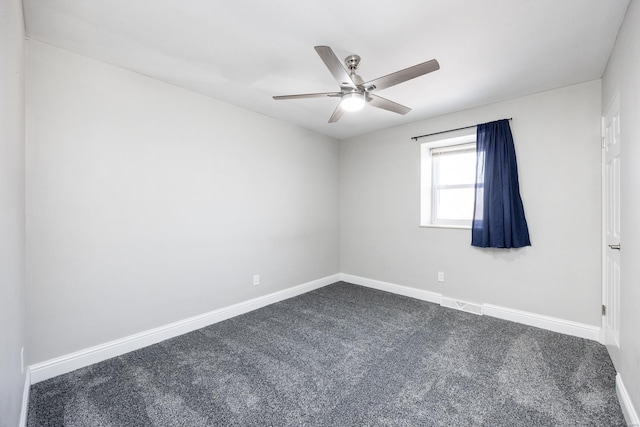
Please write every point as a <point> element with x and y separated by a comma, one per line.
<point>355,92</point>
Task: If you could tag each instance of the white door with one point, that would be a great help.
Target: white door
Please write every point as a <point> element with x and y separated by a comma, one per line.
<point>611,226</point>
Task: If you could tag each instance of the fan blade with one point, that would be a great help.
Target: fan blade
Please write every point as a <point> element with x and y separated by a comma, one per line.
<point>307,95</point>
<point>385,104</point>
<point>336,114</point>
<point>404,75</point>
<point>335,66</point>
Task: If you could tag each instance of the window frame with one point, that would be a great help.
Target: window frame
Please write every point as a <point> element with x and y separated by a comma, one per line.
<point>427,193</point>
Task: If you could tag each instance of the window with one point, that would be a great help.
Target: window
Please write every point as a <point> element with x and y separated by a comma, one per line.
<point>448,181</point>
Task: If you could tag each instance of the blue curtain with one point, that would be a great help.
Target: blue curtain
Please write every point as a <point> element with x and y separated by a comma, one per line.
<point>498,216</point>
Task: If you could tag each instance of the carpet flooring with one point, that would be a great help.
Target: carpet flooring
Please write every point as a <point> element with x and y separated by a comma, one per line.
<point>343,355</point>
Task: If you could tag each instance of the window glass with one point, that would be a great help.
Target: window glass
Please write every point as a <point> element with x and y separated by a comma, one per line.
<point>448,182</point>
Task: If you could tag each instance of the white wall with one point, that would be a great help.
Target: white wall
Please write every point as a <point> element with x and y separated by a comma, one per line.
<point>12,222</point>
<point>623,75</point>
<point>557,138</point>
<point>148,204</point>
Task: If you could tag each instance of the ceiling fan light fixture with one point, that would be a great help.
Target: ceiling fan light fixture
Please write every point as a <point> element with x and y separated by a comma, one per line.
<point>352,101</point>
<point>354,91</point>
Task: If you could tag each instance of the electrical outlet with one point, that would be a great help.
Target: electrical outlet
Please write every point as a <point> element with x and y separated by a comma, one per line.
<point>256,279</point>
<point>440,276</point>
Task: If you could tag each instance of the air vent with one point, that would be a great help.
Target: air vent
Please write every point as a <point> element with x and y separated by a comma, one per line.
<point>469,307</point>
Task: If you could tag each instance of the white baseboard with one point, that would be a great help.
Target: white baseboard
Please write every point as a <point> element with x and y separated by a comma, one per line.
<point>393,288</point>
<point>629,412</point>
<point>544,322</point>
<point>70,362</point>
<point>24,411</point>
<point>79,359</point>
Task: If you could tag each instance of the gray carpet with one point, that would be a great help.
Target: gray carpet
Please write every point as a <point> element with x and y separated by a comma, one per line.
<point>343,355</point>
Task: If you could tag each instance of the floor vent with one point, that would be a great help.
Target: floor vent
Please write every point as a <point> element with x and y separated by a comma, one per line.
<point>469,307</point>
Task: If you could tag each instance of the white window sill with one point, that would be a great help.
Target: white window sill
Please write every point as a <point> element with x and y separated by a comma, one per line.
<point>455,227</point>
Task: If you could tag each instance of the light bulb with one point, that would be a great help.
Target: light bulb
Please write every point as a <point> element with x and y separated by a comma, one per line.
<point>352,101</point>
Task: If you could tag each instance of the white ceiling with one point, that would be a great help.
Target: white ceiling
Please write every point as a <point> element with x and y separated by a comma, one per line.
<point>245,51</point>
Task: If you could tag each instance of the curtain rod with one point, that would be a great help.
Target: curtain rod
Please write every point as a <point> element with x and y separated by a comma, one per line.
<point>415,138</point>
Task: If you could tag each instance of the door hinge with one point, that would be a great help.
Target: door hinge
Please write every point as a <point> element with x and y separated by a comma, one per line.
<point>604,310</point>
<point>603,142</point>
